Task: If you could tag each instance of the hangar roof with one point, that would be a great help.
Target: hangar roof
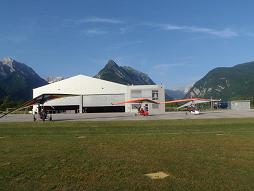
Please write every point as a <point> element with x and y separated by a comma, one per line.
<point>82,85</point>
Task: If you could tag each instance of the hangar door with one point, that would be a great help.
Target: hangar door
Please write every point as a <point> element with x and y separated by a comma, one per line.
<point>102,103</point>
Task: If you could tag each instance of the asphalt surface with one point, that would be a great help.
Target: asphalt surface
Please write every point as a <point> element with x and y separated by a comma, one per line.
<point>132,116</point>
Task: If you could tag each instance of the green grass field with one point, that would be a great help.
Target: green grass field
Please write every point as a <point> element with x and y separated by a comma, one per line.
<point>197,154</point>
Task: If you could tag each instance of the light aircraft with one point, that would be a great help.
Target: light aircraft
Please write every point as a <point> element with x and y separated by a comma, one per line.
<point>39,100</point>
<point>141,111</point>
<point>191,103</point>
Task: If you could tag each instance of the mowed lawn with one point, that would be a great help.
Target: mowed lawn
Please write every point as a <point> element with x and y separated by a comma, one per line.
<point>197,155</point>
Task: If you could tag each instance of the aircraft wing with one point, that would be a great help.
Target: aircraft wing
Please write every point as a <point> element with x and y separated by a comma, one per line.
<point>41,99</point>
<point>193,103</point>
<point>186,100</point>
<point>138,100</point>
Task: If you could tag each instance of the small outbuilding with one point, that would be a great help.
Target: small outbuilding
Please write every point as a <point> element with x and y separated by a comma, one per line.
<point>239,105</point>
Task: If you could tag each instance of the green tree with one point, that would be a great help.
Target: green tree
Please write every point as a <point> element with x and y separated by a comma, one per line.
<point>7,102</point>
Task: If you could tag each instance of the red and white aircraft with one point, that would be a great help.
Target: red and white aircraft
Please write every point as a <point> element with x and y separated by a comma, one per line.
<point>141,111</point>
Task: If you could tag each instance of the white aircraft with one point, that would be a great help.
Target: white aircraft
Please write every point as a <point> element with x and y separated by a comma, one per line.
<point>191,104</point>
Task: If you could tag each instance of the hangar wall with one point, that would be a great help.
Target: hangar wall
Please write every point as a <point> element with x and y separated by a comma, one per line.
<point>153,92</point>
<point>102,100</point>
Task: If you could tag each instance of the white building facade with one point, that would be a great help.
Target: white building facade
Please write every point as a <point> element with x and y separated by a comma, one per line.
<point>239,105</point>
<point>96,95</point>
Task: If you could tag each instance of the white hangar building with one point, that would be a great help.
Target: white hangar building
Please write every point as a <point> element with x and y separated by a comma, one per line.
<point>96,95</point>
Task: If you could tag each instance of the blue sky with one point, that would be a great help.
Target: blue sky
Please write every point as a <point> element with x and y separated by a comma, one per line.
<point>176,42</point>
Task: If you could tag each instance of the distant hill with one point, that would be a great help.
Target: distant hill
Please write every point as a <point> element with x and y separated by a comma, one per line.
<point>123,75</point>
<point>226,83</point>
<point>174,94</point>
<point>17,80</point>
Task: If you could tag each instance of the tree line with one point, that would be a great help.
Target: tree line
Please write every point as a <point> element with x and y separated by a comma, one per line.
<point>7,102</point>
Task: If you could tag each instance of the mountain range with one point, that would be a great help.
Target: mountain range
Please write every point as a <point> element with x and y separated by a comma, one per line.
<point>17,80</point>
<point>226,83</point>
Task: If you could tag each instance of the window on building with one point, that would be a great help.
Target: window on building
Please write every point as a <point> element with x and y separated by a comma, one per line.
<point>155,95</point>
